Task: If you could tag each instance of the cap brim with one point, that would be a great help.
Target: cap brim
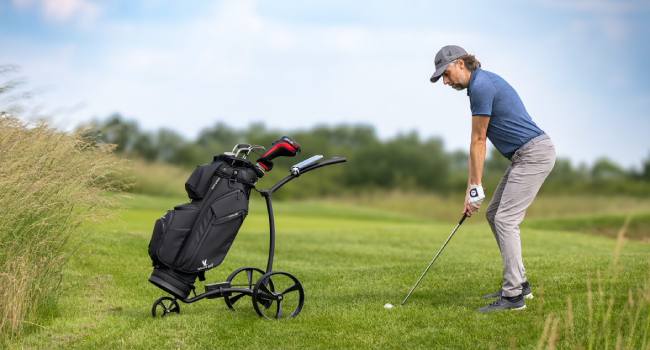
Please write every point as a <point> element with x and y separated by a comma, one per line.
<point>438,73</point>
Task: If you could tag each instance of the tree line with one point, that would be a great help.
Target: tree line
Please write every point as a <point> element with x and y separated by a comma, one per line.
<point>405,161</point>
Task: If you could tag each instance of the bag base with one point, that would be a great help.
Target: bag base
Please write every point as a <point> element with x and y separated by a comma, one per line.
<point>177,284</point>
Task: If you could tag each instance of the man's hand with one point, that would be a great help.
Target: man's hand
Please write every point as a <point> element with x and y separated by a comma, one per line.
<point>473,199</point>
<point>469,209</point>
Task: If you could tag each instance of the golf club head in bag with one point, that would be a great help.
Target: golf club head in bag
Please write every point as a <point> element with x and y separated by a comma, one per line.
<point>284,147</point>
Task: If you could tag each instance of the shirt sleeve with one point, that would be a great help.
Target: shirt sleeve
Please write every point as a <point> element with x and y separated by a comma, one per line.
<point>481,99</point>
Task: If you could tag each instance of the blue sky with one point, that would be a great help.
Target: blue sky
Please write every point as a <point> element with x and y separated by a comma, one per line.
<point>579,66</point>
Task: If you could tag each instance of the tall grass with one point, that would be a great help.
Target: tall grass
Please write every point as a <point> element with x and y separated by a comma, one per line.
<point>439,207</point>
<point>157,179</point>
<point>613,321</point>
<point>50,181</point>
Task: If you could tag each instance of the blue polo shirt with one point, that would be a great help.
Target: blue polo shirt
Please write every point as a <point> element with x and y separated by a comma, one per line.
<point>510,125</point>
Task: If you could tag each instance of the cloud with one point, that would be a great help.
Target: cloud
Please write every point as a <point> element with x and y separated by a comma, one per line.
<point>61,11</point>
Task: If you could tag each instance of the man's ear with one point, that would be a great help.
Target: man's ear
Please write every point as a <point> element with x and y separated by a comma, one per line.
<point>461,64</point>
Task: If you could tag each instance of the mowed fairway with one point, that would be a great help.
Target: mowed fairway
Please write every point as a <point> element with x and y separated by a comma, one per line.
<point>351,261</point>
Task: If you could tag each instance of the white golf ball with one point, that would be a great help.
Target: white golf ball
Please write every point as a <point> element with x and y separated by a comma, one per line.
<point>388,306</point>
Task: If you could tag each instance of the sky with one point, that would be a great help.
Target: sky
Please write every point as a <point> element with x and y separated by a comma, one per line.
<point>580,67</point>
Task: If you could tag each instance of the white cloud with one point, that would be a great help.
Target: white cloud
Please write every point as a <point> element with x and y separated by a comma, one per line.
<point>64,10</point>
<point>82,11</point>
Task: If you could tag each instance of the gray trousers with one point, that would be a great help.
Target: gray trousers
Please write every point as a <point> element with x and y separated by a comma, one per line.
<point>530,166</point>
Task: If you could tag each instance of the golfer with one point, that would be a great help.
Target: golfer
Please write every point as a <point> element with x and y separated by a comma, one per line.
<point>499,115</point>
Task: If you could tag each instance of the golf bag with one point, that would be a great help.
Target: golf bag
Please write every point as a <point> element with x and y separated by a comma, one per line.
<point>194,237</point>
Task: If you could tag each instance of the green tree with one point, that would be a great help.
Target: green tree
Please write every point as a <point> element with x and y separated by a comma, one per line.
<point>168,142</point>
<point>496,164</point>
<point>145,147</point>
<point>605,169</point>
<point>123,133</point>
<point>218,138</point>
<point>403,162</point>
<point>645,169</point>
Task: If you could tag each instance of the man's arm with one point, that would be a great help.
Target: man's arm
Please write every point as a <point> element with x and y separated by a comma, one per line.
<point>477,151</point>
<point>477,148</point>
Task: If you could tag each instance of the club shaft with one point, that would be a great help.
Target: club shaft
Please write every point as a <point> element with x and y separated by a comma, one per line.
<point>433,260</point>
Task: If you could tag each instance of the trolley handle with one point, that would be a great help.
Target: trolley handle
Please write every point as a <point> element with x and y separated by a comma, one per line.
<point>330,161</point>
<point>296,169</point>
<point>309,167</point>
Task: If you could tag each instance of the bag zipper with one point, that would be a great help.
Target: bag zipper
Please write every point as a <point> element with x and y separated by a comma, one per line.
<point>226,195</point>
<point>221,220</point>
<point>214,221</point>
<point>215,183</point>
<point>228,217</point>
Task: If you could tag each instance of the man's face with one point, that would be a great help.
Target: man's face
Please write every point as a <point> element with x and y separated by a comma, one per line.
<point>456,76</point>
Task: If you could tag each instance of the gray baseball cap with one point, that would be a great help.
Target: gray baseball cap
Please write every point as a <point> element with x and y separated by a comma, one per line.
<point>444,57</point>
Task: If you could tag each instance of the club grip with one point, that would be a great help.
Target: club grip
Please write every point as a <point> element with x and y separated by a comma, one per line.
<point>284,147</point>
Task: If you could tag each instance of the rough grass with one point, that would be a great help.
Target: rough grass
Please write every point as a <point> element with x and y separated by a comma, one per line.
<point>591,291</point>
<point>603,215</point>
<point>605,224</point>
<point>545,206</point>
<point>49,183</point>
<point>158,179</point>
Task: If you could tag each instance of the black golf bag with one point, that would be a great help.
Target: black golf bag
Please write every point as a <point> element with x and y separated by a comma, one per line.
<point>195,237</point>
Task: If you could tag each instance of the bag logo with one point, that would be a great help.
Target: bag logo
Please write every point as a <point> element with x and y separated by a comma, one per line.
<point>205,265</point>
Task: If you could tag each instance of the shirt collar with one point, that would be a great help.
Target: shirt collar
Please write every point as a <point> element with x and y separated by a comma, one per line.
<point>471,80</point>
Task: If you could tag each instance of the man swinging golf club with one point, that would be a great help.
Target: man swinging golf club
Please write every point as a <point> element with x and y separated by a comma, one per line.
<point>499,115</point>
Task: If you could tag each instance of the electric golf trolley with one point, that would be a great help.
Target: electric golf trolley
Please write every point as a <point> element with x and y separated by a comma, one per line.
<point>195,237</point>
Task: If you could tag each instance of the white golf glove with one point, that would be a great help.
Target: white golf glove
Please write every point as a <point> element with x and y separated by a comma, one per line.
<point>476,195</point>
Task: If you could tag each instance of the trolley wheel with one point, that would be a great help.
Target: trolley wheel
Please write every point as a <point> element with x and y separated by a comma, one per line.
<point>164,306</point>
<point>243,277</point>
<point>278,295</point>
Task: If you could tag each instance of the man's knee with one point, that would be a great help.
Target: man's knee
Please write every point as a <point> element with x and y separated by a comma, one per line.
<point>503,224</point>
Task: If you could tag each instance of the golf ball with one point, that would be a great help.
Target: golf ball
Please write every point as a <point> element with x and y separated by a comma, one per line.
<point>388,306</point>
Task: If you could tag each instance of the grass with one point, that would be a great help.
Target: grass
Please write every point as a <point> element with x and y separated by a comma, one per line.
<point>602,215</point>
<point>50,182</point>
<point>154,178</point>
<point>604,224</point>
<point>352,260</point>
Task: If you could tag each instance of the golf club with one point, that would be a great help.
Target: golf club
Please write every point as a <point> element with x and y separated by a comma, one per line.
<point>434,259</point>
<point>245,149</point>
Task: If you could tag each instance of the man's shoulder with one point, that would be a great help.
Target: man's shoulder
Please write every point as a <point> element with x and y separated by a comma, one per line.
<point>487,77</point>
<point>482,81</point>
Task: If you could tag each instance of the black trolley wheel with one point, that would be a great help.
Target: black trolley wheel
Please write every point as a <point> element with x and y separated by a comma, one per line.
<point>248,282</point>
<point>274,291</point>
<point>165,306</point>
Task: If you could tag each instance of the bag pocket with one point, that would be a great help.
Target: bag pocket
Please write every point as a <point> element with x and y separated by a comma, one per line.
<point>177,228</point>
<point>157,237</point>
<point>199,182</point>
<point>222,218</point>
<point>217,241</point>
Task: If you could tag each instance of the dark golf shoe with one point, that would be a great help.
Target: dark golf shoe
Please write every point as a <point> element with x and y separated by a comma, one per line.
<point>525,290</point>
<point>504,303</point>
